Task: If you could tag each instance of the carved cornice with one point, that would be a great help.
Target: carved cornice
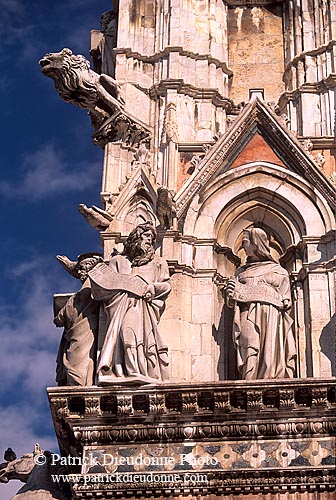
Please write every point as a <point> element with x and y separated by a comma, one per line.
<point>122,128</point>
<point>160,90</point>
<point>257,117</point>
<point>319,87</point>
<point>210,410</point>
<point>219,484</point>
<point>224,417</point>
<point>162,54</point>
<point>252,3</point>
<point>310,53</point>
<point>326,142</point>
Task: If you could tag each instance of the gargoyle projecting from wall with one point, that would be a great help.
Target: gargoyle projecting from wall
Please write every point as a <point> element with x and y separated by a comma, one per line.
<point>78,84</point>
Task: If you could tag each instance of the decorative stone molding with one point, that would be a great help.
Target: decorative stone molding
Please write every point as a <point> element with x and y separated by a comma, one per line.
<point>256,117</point>
<point>236,482</point>
<point>162,54</point>
<point>273,402</point>
<point>305,56</point>
<point>122,128</point>
<point>160,90</point>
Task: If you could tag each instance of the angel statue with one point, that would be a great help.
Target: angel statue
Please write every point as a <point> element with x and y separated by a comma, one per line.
<point>79,315</point>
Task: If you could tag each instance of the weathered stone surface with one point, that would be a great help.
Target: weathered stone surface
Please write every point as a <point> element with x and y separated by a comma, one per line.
<point>255,48</point>
<point>235,438</point>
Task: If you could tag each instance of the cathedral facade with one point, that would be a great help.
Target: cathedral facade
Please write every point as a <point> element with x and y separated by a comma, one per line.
<point>219,120</point>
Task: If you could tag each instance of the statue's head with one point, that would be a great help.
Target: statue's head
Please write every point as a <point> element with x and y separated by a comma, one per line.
<point>256,244</point>
<point>86,262</point>
<point>108,22</point>
<point>139,246</point>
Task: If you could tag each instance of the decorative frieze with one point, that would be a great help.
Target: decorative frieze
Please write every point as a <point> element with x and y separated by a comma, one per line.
<point>225,483</point>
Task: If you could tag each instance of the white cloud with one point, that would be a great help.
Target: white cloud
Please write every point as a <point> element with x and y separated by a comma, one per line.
<point>29,340</point>
<point>45,173</point>
<point>17,431</point>
<point>29,344</point>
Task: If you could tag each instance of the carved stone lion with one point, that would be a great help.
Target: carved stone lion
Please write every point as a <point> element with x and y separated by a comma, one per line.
<point>78,84</point>
<point>165,207</point>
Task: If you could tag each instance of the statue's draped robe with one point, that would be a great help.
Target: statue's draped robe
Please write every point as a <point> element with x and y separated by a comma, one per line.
<point>133,346</point>
<point>75,359</point>
<point>262,332</point>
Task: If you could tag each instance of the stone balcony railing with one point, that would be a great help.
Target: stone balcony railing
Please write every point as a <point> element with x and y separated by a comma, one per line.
<point>263,436</point>
<point>243,409</point>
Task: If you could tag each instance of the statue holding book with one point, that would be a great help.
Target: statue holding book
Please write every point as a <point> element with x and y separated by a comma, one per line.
<point>262,328</point>
<point>133,287</point>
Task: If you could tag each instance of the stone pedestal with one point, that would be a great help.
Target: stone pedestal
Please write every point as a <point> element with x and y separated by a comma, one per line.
<point>207,440</point>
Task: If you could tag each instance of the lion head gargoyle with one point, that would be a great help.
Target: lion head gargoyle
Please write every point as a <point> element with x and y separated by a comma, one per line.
<point>78,84</point>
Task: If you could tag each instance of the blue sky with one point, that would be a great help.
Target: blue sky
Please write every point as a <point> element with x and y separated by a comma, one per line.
<point>49,165</point>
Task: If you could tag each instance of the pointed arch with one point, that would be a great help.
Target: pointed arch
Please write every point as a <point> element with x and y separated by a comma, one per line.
<point>263,193</point>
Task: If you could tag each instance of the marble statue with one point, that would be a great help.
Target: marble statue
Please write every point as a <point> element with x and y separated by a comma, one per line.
<point>98,218</point>
<point>133,288</point>
<point>79,317</point>
<point>103,54</point>
<point>262,327</point>
<point>109,26</point>
<point>78,84</point>
<point>165,207</point>
<point>35,470</point>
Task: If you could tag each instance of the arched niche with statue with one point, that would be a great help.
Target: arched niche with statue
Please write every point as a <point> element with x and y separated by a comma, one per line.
<point>299,223</point>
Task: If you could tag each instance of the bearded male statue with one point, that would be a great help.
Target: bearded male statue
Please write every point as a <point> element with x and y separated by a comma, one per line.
<point>133,288</point>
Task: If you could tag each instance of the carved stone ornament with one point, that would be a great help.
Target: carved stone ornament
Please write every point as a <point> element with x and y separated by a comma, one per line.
<point>78,84</point>
<point>280,433</point>
<point>95,216</point>
<point>165,207</point>
<point>170,125</point>
<point>142,157</point>
<point>121,127</point>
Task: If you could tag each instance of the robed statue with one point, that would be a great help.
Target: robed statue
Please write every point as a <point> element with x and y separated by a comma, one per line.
<point>79,315</point>
<point>262,328</point>
<point>133,288</point>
